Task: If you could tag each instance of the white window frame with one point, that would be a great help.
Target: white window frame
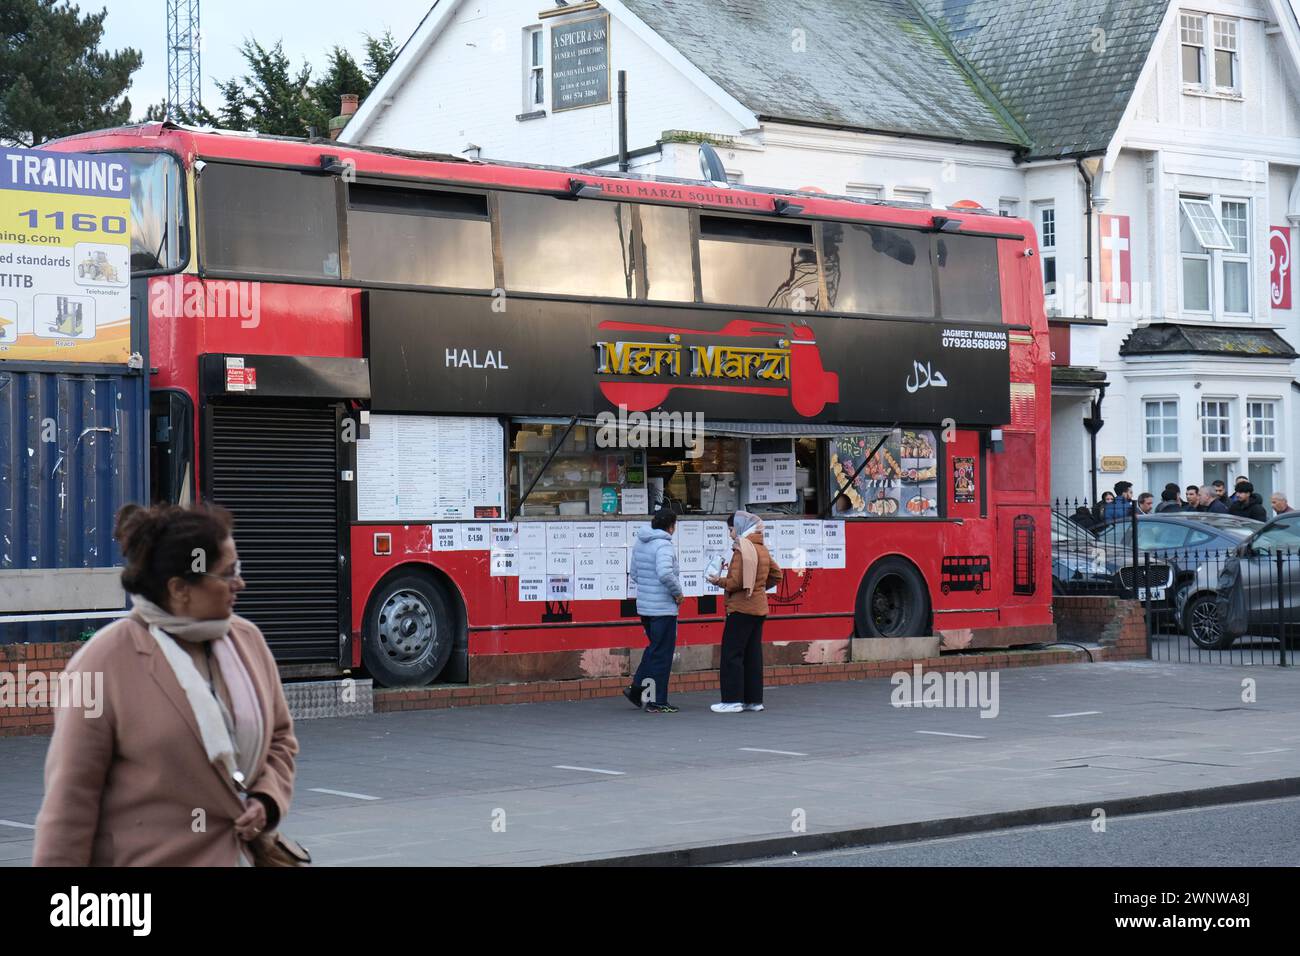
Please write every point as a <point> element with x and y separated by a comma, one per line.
<point>916,194</point>
<point>1191,33</point>
<point>534,69</point>
<point>1046,249</point>
<point>1009,207</point>
<point>1210,35</point>
<point>1231,36</point>
<point>1155,454</point>
<point>865,190</point>
<point>1233,254</point>
<point>1226,452</point>
<point>1255,443</point>
<point>1204,215</point>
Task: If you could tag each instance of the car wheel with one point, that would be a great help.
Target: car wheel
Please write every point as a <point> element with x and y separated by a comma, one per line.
<point>1203,624</point>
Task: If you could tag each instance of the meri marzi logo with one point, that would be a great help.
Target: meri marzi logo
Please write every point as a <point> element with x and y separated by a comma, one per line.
<point>787,364</point>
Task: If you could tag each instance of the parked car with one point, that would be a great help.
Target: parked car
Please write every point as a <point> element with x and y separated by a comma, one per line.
<point>1198,612</point>
<point>1078,561</point>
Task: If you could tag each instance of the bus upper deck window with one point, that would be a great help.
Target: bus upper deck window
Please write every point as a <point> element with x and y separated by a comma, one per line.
<point>877,270</point>
<point>273,222</point>
<point>969,285</point>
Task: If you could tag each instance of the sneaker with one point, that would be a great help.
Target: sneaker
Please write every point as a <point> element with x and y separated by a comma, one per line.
<point>634,696</point>
<point>753,707</point>
<point>660,709</point>
<point>727,708</point>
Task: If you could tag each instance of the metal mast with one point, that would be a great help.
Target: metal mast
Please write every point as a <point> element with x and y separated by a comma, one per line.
<point>184,77</point>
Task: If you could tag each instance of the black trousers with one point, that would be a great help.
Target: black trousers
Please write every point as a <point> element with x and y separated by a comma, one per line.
<point>741,672</point>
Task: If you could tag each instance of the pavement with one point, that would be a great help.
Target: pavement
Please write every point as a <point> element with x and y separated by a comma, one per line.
<point>826,765</point>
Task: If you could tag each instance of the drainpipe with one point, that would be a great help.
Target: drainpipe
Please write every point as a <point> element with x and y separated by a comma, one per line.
<point>1093,422</point>
<point>1087,221</point>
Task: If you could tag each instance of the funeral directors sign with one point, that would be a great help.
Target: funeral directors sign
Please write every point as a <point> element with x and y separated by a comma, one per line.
<point>580,63</point>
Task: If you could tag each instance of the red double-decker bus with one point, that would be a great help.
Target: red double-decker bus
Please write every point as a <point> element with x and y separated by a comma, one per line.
<point>441,396</point>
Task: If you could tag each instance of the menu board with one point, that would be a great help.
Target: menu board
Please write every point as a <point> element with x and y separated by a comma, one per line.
<point>422,468</point>
<point>771,470</point>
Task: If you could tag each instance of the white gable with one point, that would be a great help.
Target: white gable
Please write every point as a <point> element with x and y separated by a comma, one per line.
<point>461,81</point>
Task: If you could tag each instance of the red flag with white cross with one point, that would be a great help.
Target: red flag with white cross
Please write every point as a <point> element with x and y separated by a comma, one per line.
<point>1115,273</point>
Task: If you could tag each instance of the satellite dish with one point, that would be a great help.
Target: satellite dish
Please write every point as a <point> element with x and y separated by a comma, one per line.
<point>711,165</point>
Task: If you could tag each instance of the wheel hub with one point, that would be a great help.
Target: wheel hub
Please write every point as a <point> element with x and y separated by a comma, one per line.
<point>406,627</point>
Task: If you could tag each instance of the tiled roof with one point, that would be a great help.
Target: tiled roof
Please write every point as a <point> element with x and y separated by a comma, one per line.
<point>869,64</point>
<point>1064,69</point>
<point>1161,338</point>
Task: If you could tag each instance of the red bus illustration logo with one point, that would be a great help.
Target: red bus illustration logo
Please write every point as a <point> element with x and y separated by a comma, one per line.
<point>788,363</point>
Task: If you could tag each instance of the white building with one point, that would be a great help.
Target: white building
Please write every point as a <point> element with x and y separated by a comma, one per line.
<point>1154,144</point>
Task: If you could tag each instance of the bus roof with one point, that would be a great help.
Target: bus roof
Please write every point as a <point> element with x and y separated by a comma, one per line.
<point>192,143</point>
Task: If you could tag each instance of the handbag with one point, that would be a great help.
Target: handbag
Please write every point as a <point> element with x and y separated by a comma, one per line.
<point>276,849</point>
<point>273,848</point>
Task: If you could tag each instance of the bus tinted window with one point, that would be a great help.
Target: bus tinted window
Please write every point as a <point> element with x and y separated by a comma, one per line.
<point>566,247</point>
<point>419,237</point>
<point>877,270</point>
<point>276,222</point>
<point>665,253</point>
<point>968,278</point>
<point>766,265</point>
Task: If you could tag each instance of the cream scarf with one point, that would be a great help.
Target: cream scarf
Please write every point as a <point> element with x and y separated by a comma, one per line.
<point>744,525</point>
<point>231,740</point>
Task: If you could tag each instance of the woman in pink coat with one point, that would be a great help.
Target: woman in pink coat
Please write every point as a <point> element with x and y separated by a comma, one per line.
<point>191,756</point>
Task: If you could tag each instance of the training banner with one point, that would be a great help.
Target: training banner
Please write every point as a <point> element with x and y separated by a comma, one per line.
<point>65,257</point>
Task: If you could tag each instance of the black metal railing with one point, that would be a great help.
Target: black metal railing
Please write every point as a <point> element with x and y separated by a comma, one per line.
<point>1223,607</point>
<point>1233,605</point>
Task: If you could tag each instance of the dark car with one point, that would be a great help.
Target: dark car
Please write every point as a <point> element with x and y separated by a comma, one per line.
<point>1256,564</point>
<point>1178,544</point>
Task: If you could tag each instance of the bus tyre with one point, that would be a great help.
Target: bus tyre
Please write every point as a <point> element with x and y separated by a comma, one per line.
<point>408,632</point>
<point>892,602</point>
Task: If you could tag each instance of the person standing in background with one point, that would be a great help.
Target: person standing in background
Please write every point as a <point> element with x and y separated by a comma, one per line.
<point>752,571</point>
<point>1279,503</point>
<point>658,596</point>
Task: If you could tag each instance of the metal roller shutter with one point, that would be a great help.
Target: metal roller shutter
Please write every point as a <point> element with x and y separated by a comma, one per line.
<point>276,469</point>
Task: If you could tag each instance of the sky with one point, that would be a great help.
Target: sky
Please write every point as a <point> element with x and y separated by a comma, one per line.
<point>307,28</point>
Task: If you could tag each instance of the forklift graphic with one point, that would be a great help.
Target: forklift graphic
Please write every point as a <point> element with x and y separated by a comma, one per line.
<point>68,319</point>
<point>97,267</point>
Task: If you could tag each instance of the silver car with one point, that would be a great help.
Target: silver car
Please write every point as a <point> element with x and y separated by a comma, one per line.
<point>1198,611</point>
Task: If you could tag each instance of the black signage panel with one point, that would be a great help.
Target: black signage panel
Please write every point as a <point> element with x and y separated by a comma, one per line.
<point>580,63</point>
<point>439,353</point>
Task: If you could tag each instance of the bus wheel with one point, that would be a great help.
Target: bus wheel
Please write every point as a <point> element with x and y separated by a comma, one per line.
<point>893,601</point>
<point>408,632</point>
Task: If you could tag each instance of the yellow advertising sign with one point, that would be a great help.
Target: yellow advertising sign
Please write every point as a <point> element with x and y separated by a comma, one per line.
<point>65,257</point>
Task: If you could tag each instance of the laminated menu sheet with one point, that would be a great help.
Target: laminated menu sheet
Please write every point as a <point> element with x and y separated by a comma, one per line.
<point>431,467</point>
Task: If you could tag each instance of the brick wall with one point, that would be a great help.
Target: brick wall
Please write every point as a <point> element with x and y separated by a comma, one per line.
<point>33,658</point>
<point>1115,623</point>
<point>438,697</point>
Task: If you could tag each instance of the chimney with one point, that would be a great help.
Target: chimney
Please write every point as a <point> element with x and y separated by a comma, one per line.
<point>347,108</point>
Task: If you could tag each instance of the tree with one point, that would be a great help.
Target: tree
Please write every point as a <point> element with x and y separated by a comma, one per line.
<point>380,53</point>
<point>54,79</point>
<point>274,98</point>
